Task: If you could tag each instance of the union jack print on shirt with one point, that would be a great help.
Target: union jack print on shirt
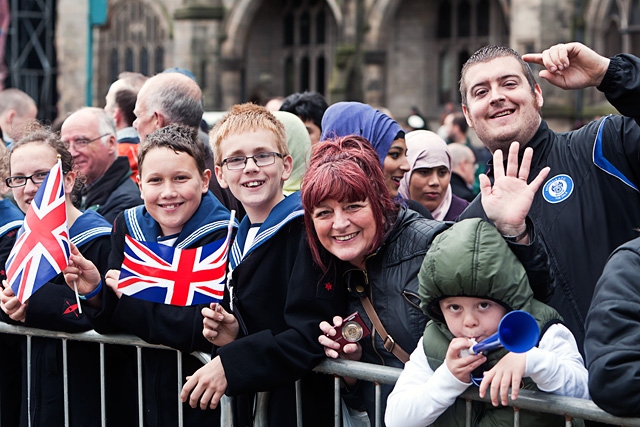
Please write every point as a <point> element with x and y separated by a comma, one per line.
<point>41,250</point>
<point>159,273</point>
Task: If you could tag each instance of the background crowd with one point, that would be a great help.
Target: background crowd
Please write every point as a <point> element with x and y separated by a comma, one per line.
<point>338,209</point>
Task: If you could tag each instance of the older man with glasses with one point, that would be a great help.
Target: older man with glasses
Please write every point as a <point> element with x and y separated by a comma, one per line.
<point>90,135</point>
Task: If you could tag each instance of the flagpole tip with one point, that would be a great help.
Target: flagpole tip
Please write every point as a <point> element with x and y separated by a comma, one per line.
<point>59,156</point>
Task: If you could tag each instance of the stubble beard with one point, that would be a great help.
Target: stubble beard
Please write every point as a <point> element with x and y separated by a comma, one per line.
<point>523,136</point>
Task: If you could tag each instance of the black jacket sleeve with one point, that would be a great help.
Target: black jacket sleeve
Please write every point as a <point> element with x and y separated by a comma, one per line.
<point>101,317</point>
<point>621,134</point>
<point>125,195</point>
<point>267,359</point>
<point>612,343</point>
<point>6,244</point>
<point>170,325</point>
<point>621,84</point>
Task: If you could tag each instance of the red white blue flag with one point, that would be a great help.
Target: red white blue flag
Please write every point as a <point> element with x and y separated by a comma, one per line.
<point>41,250</point>
<point>163,274</point>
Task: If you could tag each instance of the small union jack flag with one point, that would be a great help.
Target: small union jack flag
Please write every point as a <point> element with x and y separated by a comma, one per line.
<point>41,250</point>
<point>159,273</point>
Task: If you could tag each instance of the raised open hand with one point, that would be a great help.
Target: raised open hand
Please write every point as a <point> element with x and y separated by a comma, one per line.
<point>508,201</point>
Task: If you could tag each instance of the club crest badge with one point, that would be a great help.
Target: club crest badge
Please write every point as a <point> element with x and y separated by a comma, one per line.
<point>558,188</point>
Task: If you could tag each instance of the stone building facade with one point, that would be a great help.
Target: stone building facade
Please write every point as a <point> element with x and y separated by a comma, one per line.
<point>392,53</point>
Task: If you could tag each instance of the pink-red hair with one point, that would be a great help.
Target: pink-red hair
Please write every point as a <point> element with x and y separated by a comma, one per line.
<point>345,169</point>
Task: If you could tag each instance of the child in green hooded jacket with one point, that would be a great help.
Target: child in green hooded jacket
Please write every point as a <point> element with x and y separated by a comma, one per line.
<point>468,281</point>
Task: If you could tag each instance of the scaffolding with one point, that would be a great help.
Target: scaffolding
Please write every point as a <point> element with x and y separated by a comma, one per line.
<point>31,55</point>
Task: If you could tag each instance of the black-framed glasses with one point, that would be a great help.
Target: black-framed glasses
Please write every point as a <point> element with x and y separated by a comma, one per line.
<point>261,159</point>
<point>82,142</point>
<point>20,181</point>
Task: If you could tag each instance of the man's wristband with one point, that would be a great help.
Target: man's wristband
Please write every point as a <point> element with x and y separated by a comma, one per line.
<point>516,239</point>
<point>93,293</point>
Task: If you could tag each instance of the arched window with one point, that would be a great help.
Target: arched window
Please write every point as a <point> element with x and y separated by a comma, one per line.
<point>612,37</point>
<point>128,60</point>
<point>634,27</point>
<point>134,39</point>
<point>307,19</point>
<point>482,18</point>
<point>289,76</point>
<point>114,67</point>
<point>304,74</point>
<point>288,29</point>
<point>634,14</point>
<point>290,48</point>
<point>464,18</point>
<point>320,74</point>
<point>444,19</point>
<point>159,60</point>
<point>320,27</point>
<point>144,61</point>
<point>445,78</point>
<point>464,26</point>
<point>305,29</point>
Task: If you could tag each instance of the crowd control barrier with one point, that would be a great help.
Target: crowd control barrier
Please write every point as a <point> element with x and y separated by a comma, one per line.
<point>102,340</point>
<point>568,407</point>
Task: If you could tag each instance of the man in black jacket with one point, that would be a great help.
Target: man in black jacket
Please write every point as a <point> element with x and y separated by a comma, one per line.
<point>463,169</point>
<point>90,134</point>
<point>590,202</point>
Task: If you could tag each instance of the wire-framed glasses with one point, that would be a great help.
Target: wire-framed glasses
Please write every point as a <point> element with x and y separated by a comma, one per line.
<point>260,159</point>
<point>82,142</point>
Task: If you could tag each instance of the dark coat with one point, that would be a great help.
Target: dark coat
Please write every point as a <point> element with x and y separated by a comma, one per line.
<point>611,343</point>
<point>456,207</point>
<point>279,298</point>
<point>173,326</point>
<point>460,188</point>
<point>419,207</point>
<point>10,356</point>
<point>54,307</point>
<point>393,291</point>
<point>583,218</point>
<point>113,192</point>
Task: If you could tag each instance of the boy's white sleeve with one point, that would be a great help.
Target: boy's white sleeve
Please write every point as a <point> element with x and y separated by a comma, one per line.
<point>421,395</point>
<point>556,365</point>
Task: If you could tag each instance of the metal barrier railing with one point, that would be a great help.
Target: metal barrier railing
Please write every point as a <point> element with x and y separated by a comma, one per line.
<point>120,339</point>
<point>530,400</point>
<point>568,407</point>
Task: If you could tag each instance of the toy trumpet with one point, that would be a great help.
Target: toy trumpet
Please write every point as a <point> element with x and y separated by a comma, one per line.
<point>518,332</point>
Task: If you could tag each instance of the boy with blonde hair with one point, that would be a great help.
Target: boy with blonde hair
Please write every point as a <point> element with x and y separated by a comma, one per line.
<point>265,330</point>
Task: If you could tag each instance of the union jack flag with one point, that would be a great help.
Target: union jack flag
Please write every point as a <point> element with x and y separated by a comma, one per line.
<point>159,273</point>
<point>41,250</point>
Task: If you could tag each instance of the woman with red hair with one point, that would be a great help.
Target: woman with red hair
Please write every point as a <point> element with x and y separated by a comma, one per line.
<point>376,248</point>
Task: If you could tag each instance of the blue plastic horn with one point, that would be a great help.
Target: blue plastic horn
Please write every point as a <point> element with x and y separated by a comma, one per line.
<point>518,332</point>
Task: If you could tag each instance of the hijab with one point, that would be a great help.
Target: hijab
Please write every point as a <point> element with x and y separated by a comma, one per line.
<point>299,145</point>
<point>425,149</point>
<point>355,118</point>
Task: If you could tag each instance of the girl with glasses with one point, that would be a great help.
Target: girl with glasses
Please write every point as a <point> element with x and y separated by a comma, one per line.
<point>54,305</point>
